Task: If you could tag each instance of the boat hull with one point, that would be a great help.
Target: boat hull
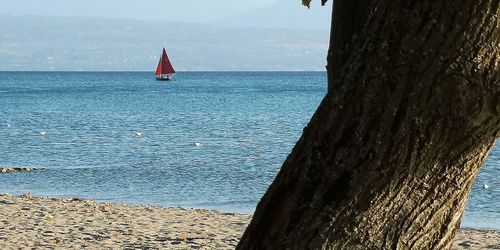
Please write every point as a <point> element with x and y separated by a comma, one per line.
<point>164,77</point>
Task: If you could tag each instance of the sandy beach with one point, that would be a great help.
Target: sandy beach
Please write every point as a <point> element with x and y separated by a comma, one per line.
<point>28,221</point>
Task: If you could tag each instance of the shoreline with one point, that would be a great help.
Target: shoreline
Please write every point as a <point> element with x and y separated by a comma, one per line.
<point>39,222</point>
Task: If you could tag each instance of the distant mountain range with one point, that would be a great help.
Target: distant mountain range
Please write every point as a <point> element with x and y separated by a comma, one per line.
<point>79,43</point>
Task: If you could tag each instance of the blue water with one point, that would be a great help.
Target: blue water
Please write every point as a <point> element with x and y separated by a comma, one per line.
<point>211,140</point>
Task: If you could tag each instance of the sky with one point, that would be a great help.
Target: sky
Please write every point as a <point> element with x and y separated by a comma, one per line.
<point>171,10</point>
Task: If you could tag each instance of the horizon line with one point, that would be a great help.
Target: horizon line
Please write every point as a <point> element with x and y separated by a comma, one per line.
<point>150,71</point>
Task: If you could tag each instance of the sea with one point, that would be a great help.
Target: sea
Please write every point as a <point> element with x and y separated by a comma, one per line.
<point>211,140</point>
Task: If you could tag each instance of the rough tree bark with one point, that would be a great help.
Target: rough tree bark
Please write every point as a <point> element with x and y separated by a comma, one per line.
<point>411,113</point>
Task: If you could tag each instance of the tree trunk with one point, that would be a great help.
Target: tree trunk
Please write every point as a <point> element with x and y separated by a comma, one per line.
<point>411,113</point>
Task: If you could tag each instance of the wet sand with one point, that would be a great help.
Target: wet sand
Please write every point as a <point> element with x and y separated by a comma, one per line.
<point>42,223</point>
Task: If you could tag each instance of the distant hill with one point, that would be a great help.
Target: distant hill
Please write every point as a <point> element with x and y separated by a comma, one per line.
<point>77,43</point>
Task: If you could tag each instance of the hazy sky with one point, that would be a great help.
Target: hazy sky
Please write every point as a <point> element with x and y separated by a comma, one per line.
<point>177,10</point>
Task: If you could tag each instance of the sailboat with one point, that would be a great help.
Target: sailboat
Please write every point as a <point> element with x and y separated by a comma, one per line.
<point>164,71</point>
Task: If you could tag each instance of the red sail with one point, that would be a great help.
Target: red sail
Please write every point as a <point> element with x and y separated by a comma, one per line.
<point>158,69</point>
<point>164,66</point>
